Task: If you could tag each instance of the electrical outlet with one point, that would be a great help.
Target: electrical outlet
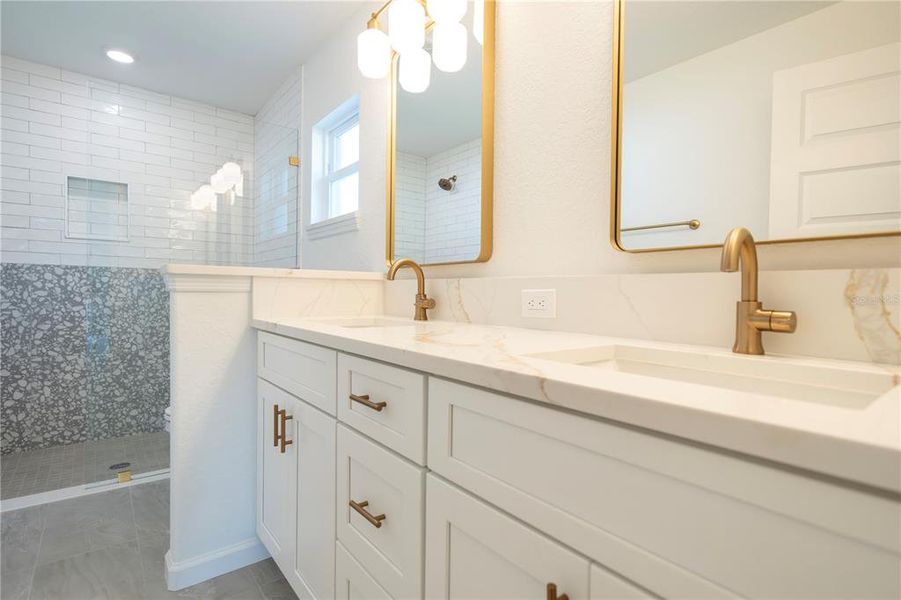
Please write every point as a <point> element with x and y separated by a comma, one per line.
<point>539,303</point>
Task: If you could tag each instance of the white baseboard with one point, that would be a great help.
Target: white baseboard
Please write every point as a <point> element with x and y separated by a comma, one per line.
<point>212,564</point>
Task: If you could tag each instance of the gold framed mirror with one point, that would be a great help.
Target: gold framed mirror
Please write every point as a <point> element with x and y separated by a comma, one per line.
<point>440,158</point>
<point>780,116</point>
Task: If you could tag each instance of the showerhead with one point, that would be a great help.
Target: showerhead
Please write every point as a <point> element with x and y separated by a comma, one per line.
<point>447,183</point>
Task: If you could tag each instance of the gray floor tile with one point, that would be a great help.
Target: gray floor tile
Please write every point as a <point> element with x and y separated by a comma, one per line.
<point>76,547</point>
<point>20,533</point>
<point>111,573</point>
<point>265,572</point>
<point>278,590</point>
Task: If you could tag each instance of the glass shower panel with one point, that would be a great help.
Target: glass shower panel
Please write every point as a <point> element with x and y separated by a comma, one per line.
<point>126,327</point>
<point>276,183</point>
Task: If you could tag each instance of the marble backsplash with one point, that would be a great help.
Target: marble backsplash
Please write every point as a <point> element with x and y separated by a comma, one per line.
<point>842,314</point>
<point>85,354</point>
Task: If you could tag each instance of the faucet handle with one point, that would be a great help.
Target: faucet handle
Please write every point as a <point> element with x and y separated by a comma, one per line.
<point>424,301</point>
<point>778,321</point>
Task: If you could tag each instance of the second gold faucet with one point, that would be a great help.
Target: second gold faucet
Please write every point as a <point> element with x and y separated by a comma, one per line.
<point>422,302</point>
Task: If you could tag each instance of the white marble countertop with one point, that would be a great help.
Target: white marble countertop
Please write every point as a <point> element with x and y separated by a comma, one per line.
<point>861,443</point>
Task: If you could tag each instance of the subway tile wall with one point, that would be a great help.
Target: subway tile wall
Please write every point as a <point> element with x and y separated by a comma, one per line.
<point>432,225</point>
<point>453,219</point>
<point>58,124</point>
<point>276,130</point>
<point>409,212</point>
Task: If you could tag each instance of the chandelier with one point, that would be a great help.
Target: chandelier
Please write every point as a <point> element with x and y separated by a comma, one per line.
<point>408,21</point>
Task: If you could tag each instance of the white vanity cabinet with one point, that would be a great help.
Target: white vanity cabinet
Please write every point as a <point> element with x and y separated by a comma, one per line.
<point>423,487</point>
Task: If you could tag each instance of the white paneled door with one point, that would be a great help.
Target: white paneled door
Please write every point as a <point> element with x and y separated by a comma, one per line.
<point>836,146</point>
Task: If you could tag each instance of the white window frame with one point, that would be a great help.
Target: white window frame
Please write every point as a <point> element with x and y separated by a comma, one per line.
<point>320,221</point>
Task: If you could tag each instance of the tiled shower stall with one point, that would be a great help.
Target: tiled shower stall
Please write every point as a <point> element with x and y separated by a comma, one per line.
<point>98,190</point>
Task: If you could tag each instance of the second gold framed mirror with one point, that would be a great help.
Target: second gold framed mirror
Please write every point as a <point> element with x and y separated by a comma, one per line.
<point>780,116</point>
<point>440,156</point>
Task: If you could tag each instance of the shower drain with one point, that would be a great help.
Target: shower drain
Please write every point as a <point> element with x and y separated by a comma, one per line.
<point>120,466</point>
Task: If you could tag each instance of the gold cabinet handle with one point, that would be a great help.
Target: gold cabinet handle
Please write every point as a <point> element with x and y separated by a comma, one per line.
<point>360,507</point>
<point>275,413</point>
<point>285,417</point>
<point>365,401</point>
<point>552,593</point>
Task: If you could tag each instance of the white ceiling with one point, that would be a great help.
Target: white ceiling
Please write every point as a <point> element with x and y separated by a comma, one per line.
<point>229,54</point>
<point>448,113</point>
<point>662,33</point>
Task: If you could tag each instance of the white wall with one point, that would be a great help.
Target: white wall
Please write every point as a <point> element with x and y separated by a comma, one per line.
<point>57,123</point>
<point>276,137</point>
<point>696,136</point>
<point>330,77</point>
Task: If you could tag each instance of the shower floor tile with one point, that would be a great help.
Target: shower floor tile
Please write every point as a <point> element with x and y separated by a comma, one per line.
<point>47,469</point>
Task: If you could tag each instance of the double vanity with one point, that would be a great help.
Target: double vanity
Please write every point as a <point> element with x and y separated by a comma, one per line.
<point>402,459</point>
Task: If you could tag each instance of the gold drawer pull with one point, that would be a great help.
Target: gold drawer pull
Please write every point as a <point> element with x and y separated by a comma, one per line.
<point>275,413</point>
<point>360,507</point>
<point>552,593</point>
<point>365,401</point>
<point>285,417</point>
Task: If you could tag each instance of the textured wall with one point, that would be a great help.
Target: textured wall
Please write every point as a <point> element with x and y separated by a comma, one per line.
<point>85,353</point>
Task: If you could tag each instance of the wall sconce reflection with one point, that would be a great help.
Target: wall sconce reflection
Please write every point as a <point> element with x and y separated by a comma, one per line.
<point>229,179</point>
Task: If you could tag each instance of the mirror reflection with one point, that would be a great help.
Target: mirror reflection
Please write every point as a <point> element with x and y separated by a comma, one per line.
<point>437,190</point>
<point>782,117</point>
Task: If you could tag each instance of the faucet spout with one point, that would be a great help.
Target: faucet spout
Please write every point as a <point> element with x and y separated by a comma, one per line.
<point>423,302</point>
<point>739,251</point>
<point>751,319</point>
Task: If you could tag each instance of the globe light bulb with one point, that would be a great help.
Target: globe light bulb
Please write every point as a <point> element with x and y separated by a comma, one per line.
<point>373,53</point>
<point>449,46</point>
<point>406,25</point>
<point>415,71</point>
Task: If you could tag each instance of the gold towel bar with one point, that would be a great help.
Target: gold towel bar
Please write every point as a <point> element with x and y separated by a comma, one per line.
<point>693,224</point>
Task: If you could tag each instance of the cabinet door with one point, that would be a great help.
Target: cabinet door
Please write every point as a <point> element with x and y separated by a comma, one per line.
<point>352,580</point>
<point>312,574</point>
<point>475,551</point>
<point>275,493</point>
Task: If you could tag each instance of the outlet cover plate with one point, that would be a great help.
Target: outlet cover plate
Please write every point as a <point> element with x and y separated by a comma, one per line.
<point>541,304</point>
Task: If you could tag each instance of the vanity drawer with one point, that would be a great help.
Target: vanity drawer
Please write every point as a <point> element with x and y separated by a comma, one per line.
<point>384,402</point>
<point>675,518</point>
<point>305,370</point>
<point>381,483</point>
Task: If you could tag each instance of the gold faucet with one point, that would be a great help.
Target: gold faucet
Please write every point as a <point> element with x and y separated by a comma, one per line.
<point>751,319</point>
<point>423,302</point>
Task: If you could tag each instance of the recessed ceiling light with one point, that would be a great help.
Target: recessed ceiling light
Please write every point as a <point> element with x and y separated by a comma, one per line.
<point>120,56</point>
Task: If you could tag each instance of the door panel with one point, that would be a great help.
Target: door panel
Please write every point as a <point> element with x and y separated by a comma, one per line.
<point>313,571</point>
<point>475,551</point>
<point>275,501</point>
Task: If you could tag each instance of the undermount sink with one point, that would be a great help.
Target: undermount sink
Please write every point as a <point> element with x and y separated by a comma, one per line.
<point>359,322</point>
<point>845,386</point>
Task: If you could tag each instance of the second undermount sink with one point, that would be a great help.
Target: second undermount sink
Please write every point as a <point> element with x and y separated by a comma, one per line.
<point>848,386</point>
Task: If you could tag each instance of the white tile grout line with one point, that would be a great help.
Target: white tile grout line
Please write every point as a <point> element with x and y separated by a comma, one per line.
<point>79,490</point>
